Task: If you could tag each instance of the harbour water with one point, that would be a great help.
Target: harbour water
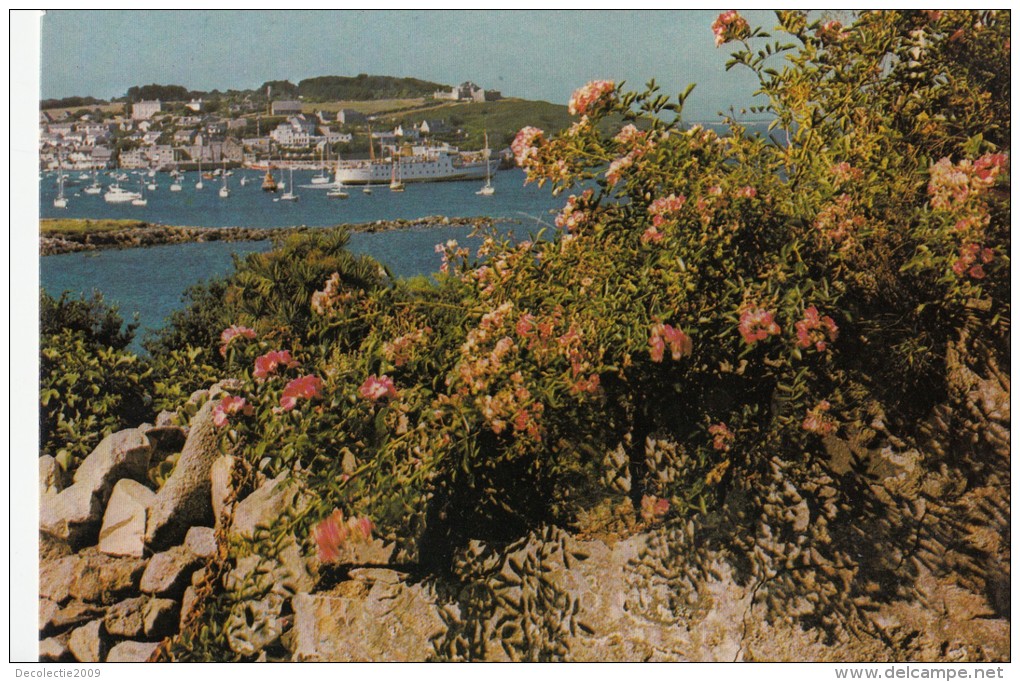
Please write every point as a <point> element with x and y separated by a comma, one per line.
<point>150,282</point>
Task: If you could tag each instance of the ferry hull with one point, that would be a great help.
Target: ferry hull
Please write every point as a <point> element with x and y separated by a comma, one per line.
<point>381,173</point>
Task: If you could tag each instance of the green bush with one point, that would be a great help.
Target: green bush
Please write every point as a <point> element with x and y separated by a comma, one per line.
<point>90,386</point>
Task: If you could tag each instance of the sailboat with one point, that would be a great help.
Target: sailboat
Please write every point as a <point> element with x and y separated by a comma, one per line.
<point>199,185</point>
<point>140,200</point>
<point>224,192</point>
<point>290,196</point>
<point>60,201</point>
<point>322,178</point>
<point>244,180</point>
<point>338,191</point>
<point>395,183</point>
<point>95,187</point>
<point>488,190</point>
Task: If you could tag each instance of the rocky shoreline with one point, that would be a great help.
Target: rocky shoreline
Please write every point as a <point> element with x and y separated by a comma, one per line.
<point>157,235</point>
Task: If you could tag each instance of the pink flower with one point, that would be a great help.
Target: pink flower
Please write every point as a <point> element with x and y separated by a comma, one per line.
<point>831,31</point>
<point>730,26</point>
<point>617,166</point>
<point>652,235</point>
<point>307,387</point>
<point>747,192</point>
<point>333,532</point>
<point>968,263</point>
<point>227,406</point>
<point>268,364</point>
<point>663,335</point>
<point>232,332</point>
<point>757,325</point>
<point>575,214</point>
<point>722,437</point>
<point>814,330</point>
<point>666,206</point>
<point>376,388</point>
<point>525,145</point>
<point>653,508</point>
<point>817,420</point>
<point>588,98</point>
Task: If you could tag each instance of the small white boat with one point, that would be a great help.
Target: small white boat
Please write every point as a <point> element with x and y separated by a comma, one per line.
<point>199,185</point>
<point>60,201</point>
<point>289,196</point>
<point>95,187</point>
<point>152,187</point>
<point>322,178</point>
<point>338,193</point>
<point>367,189</point>
<point>175,186</point>
<point>224,191</point>
<point>118,195</point>
<point>395,183</point>
<point>244,180</point>
<point>487,190</point>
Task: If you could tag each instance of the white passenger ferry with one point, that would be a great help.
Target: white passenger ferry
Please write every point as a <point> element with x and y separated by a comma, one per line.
<point>418,163</point>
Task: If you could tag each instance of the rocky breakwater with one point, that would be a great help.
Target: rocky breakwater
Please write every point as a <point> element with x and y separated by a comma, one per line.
<point>53,241</point>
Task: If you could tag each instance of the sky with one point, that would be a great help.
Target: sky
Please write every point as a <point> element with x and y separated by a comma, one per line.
<point>531,54</point>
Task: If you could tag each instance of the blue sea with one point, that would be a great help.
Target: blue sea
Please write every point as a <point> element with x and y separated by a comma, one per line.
<point>149,283</point>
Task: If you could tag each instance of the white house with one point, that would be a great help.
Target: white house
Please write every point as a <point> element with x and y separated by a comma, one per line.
<point>145,109</point>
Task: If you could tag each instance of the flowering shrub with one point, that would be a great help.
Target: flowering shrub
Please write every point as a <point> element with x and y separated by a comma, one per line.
<point>745,298</point>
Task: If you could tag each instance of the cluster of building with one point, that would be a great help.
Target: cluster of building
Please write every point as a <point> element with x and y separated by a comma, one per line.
<point>160,135</point>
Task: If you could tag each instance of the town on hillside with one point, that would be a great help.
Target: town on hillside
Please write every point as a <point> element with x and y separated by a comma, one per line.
<point>244,131</point>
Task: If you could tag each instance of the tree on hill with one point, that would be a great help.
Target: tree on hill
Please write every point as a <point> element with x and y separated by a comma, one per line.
<point>165,93</point>
<point>365,87</point>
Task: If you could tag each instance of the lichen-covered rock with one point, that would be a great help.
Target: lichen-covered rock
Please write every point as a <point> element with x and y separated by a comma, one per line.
<point>50,476</point>
<point>123,529</point>
<point>201,541</point>
<point>55,650</point>
<point>124,454</point>
<point>55,578</point>
<point>131,652</point>
<point>160,618</point>
<point>267,505</point>
<point>184,500</point>
<point>124,619</point>
<point>168,573</point>
<point>395,621</point>
<point>105,579</point>
<point>47,609</point>
<point>220,485</point>
<point>73,614</point>
<point>255,624</point>
<point>72,515</point>
<point>89,642</point>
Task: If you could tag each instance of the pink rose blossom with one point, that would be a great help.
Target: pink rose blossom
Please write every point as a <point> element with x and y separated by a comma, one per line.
<point>376,388</point>
<point>227,406</point>
<point>815,330</point>
<point>663,335</point>
<point>232,332</point>
<point>722,437</point>
<point>268,364</point>
<point>333,532</point>
<point>307,387</point>
<point>817,420</point>
<point>587,98</point>
<point>730,26</point>
<point>757,325</point>
<point>525,145</point>
<point>653,508</point>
